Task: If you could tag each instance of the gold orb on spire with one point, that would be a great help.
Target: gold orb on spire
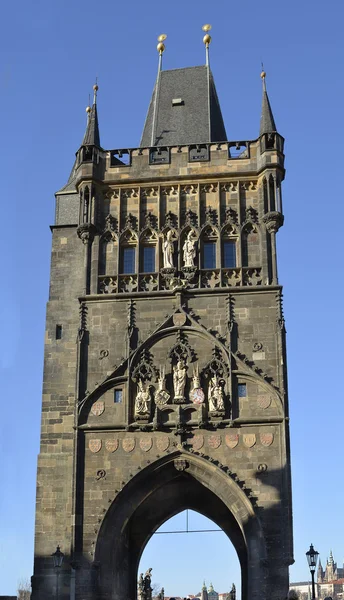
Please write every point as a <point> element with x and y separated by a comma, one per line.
<point>263,74</point>
<point>207,37</point>
<point>161,46</point>
<point>88,109</point>
<point>95,87</point>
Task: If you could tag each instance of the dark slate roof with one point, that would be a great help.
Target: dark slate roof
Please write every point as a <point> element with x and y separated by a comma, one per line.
<point>197,119</point>
<point>91,137</point>
<point>267,121</point>
<point>70,185</point>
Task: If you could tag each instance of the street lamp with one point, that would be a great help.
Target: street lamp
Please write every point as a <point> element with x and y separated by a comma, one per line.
<point>58,557</point>
<point>312,557</point>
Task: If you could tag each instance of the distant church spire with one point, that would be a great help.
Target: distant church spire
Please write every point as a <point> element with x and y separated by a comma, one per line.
<point>267,121</point>
<point>91,137</point>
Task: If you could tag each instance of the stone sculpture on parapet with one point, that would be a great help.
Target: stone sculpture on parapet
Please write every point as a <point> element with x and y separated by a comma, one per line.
<point>144,586</point>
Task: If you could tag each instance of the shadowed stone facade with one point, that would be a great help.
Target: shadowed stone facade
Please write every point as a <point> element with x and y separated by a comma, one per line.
<point>164,386</point>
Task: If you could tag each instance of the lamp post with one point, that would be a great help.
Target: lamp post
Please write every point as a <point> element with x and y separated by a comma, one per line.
<point>312,557</point>
<point>58,557</point>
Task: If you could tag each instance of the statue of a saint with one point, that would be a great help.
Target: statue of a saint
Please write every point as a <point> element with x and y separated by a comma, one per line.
<point>143,399</point>
<point>168,249</point>
<point>189,251</point>
<point>179,380</point>
<point>215,394</point>
<point>161,396</point>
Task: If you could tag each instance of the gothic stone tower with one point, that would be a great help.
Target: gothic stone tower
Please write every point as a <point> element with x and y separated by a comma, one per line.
<point>165,373</point>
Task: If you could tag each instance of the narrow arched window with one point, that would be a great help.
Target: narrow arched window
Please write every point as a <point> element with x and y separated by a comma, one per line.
<point>272,193</point>
<point>209,248</point>
<point>128,260</point>
<point>229,259</point>
<point>148,259</point>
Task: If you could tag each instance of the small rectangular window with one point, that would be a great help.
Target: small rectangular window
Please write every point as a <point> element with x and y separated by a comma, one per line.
<point>58,334</point>
<point>148,259</point>
<point>118,396</point>
<point>242,391</point>
<point>128,261</point>
<point>229,255</point>
<point>209,255</point>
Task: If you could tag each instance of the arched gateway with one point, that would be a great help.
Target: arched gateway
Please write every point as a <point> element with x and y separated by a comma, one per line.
<point>174,483</point>
<point>165,373</point>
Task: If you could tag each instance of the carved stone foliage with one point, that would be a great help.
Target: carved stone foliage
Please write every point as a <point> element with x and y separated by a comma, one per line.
<point>252,277</point>
<point>231,216</point>
<point>211,279</point>
<point>171,220</point>
<point>130,222</point>
<point>128,283</point>
<point>86,232</point>
<point>273,221</point>
<point>111,227</point>
<point>148,283</point>
<point>251,215</point>
<point>150,220</point>
<point>108,285</point>
<point>190,218</point>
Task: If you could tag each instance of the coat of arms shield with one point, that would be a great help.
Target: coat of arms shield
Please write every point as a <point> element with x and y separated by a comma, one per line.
<point>249,439</point>
<point>128,444</point>
<point>111,445</point>
<point>232,440</point>
<point>266,439</point>
<point>162,443</point>
<point>197,442</point>
<point>161,397</point>
<point>98,408</point>
<point>146,443</point>
<point>95,445</point>
<point>214,441</point>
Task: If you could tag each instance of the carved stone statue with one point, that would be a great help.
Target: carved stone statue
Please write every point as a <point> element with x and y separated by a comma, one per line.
<point>189,251</point>
<point>215,394</point>
<point>179,380</point>
<point>143,399</point>
<point>168,249</point>
<point>144,586</point>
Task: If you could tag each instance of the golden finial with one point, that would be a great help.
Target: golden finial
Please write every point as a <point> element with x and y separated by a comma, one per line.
<point>161,46</point>
<point>207,37</point>
<point>88,109</point>
<point>263,74</point>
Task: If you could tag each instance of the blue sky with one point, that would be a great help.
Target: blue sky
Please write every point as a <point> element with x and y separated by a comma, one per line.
<point>50,55</point>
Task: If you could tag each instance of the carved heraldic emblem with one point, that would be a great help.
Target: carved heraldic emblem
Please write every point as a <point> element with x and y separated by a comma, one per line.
<point>95,445</point>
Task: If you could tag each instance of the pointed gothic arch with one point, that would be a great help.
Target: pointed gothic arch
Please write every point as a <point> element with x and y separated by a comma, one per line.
<point>176,482</point>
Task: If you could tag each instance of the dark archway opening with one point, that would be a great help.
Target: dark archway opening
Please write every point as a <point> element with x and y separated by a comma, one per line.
<point>175,483</point>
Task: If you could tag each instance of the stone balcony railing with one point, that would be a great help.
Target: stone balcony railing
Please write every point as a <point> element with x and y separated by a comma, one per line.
<point>170,279</point>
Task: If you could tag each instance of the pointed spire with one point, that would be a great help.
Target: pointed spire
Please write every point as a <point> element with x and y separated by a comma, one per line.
<point>267,121</point>
<point>331,561</point>
<point>204,593</point>
<point>91,137</point>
